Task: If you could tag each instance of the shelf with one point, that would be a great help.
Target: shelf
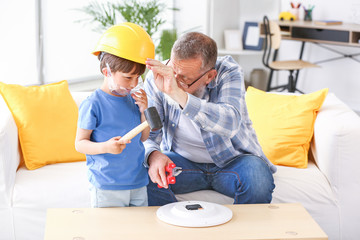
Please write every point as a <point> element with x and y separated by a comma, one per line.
<point>239,52</point>
<point>355,38</point>
<point>346,34</point>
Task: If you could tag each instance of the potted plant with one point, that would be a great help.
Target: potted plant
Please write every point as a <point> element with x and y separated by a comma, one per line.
<point>146,14</point>
<point>167,39</point>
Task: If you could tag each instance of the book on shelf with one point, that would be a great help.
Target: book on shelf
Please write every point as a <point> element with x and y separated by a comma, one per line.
<point>328,22</point>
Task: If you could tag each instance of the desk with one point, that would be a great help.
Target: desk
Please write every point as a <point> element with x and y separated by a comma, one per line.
<point>250,221</point>
<point>345,34</point>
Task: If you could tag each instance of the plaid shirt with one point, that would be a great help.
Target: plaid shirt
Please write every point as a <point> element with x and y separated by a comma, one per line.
<point>221,115</point>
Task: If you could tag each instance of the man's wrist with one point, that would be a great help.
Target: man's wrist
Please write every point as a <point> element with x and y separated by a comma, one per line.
<point>181,97</point>
<point>150,156</point>
<point>146,160</point>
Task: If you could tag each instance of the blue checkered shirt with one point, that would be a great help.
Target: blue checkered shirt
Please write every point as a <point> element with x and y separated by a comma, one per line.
<point>221,114</point>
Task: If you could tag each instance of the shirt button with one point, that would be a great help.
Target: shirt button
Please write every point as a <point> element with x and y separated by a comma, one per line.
<point>173,125</point>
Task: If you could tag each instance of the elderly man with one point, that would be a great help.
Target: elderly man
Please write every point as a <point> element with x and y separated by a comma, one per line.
<point>207,130</point>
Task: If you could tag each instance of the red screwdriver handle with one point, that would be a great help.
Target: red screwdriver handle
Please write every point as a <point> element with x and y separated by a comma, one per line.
<point>170,179</point>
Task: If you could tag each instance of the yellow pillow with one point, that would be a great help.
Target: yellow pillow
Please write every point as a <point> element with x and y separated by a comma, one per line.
<point>46,117</point>
<point>284,124</point>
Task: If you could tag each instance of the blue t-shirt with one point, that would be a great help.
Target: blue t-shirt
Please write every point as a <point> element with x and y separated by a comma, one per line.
<point>110,116</point>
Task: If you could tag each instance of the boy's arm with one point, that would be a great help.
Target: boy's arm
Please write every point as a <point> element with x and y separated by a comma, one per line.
<point>83,144</point>
<point>141,100</point>
<point>146,132</point>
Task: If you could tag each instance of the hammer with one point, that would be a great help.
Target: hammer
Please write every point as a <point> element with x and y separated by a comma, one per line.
<point>152,120</point>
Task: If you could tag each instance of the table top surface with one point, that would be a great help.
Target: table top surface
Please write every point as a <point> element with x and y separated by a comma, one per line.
<point>250,221</point>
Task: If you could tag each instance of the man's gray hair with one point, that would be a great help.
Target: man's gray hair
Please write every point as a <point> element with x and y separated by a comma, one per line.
<point>194,44</point>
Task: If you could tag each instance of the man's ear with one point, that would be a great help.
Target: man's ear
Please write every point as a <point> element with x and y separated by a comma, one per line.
<point>211,75</point>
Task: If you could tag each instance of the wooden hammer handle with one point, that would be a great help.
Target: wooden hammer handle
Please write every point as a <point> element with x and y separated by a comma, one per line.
<point>135,131</point>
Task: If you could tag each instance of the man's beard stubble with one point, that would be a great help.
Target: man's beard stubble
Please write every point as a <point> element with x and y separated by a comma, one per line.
<point>200,92</point>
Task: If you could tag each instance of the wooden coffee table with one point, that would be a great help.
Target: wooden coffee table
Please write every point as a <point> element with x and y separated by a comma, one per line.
<point>251,221</point>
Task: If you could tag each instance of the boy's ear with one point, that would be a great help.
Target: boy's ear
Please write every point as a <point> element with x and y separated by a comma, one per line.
<point>104,71</point>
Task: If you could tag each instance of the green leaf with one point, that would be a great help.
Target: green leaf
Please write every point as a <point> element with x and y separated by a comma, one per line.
<point>167,39</point>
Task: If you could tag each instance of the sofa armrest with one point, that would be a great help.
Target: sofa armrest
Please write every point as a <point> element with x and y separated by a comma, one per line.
<point>336,150</point>
<point>336,141</point>
<point>9,154</point>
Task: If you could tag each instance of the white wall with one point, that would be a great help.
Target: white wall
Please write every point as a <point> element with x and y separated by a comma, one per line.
<point>212,17</point>
<point>254,11</point>
<point>342,77</point>
<point>191,16</point>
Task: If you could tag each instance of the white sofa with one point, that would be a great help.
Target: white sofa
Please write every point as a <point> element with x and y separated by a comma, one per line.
<point>329,188</point>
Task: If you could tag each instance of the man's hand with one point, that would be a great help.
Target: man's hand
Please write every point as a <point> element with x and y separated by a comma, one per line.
<point>163,75</point>
<point>157,163</point>
<point>165,81</point>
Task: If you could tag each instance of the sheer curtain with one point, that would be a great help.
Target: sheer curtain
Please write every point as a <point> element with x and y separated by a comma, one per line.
<point>68,44</point>
<point>18,47</point>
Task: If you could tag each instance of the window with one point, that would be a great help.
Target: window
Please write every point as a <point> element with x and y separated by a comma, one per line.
<point>18,61</point>
<point>68,44</point>
<point>42,42</point>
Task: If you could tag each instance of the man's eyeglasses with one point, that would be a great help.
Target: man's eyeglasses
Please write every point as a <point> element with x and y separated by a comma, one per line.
<point>189,85</point>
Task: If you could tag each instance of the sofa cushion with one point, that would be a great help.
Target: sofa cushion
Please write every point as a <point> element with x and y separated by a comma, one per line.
<point>62,185</point>
<point>46,119</point>
<point>284,124</point>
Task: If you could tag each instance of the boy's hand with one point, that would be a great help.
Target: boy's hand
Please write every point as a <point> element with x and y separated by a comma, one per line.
<point>115,145</point>
<point>140,100</point>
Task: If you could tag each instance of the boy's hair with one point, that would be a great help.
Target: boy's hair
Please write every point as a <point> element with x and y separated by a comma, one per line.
<point>118,64</point>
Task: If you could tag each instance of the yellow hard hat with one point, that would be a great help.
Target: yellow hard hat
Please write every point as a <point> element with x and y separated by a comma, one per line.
<point>126,40</point>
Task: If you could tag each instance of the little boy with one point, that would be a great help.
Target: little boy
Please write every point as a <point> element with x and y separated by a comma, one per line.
<point>115,167</point>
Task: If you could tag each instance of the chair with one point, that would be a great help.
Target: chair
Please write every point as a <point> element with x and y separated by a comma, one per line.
<point>271,47</point>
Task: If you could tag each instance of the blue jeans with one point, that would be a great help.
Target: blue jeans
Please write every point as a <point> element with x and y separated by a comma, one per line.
<point>247,179</point>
